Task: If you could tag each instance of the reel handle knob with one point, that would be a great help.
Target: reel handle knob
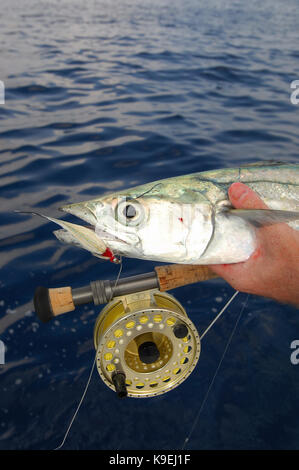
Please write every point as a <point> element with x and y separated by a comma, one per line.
<point>49,303</point>
<point>119,382</point>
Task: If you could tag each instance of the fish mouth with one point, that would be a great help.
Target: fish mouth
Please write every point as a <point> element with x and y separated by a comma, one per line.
<point>82,211</point>
<point>106,236</point>
<point>111,246</point>
<point>117,242</point>
<point>104,226</point>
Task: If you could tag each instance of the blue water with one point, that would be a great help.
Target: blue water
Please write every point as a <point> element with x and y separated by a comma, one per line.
<point>102,95</point>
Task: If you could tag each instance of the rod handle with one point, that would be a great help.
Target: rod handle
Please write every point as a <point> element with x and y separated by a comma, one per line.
<point>50,303</point>
<point>176,275</point>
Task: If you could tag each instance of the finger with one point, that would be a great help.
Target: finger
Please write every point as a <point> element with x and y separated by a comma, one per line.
<point>227,270</point>
<point>220,269</point>
<point>242,197</point>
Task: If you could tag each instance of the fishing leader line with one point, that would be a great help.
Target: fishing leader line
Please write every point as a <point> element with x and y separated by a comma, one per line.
<point>219,314</point>
<point>220,362</point>
<point>90,374</point>
<point>79,405</point>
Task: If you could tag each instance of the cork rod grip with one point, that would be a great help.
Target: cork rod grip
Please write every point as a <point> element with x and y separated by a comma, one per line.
<point>176,275</point>
<point>52,302</point>
<point>61,300</point>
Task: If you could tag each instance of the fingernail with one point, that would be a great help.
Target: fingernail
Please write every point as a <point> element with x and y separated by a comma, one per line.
<point>239,191</point>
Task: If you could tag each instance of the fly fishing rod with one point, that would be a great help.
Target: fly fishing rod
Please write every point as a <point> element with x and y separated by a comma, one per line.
<point>144,340</point>
<point>50,303</point>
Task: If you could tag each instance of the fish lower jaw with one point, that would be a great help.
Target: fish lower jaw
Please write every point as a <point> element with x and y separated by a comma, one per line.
<point>110,236</point>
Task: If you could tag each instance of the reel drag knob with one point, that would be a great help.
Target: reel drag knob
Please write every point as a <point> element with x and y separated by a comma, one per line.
<point>180,330</point>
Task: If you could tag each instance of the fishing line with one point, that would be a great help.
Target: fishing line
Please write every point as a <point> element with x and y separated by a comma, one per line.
<point>219,314</point>
<point>118,275</point>
<point>90,374</point>
<point>219,364</point>
<point>148,191</point>
<point>79,405</point>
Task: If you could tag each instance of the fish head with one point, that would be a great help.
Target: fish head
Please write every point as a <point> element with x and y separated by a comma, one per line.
<point>165,225</point>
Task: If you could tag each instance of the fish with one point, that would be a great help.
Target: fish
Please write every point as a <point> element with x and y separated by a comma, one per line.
<point>186,219</point>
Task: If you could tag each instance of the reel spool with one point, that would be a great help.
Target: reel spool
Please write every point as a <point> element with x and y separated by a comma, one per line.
<point>146,344</point>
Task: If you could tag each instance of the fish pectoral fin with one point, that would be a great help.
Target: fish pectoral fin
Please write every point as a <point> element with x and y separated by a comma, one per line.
<point>262,217</point>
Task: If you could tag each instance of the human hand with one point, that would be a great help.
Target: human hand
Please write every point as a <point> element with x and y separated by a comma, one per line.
<point>273,269</point>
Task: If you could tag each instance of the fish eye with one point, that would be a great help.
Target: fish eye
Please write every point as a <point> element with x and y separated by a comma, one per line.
<point>129,212</point>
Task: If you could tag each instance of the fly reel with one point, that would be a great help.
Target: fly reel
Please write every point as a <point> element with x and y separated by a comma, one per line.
<point>145,344</point>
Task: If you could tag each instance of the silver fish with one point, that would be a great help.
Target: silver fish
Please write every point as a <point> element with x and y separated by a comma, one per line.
<point>188,219</point>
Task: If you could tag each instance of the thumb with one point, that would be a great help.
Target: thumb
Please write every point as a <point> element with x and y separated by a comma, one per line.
<point>242,197</point>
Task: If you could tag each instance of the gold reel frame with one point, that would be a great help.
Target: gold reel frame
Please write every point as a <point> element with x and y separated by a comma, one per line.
<point>130,320</point>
